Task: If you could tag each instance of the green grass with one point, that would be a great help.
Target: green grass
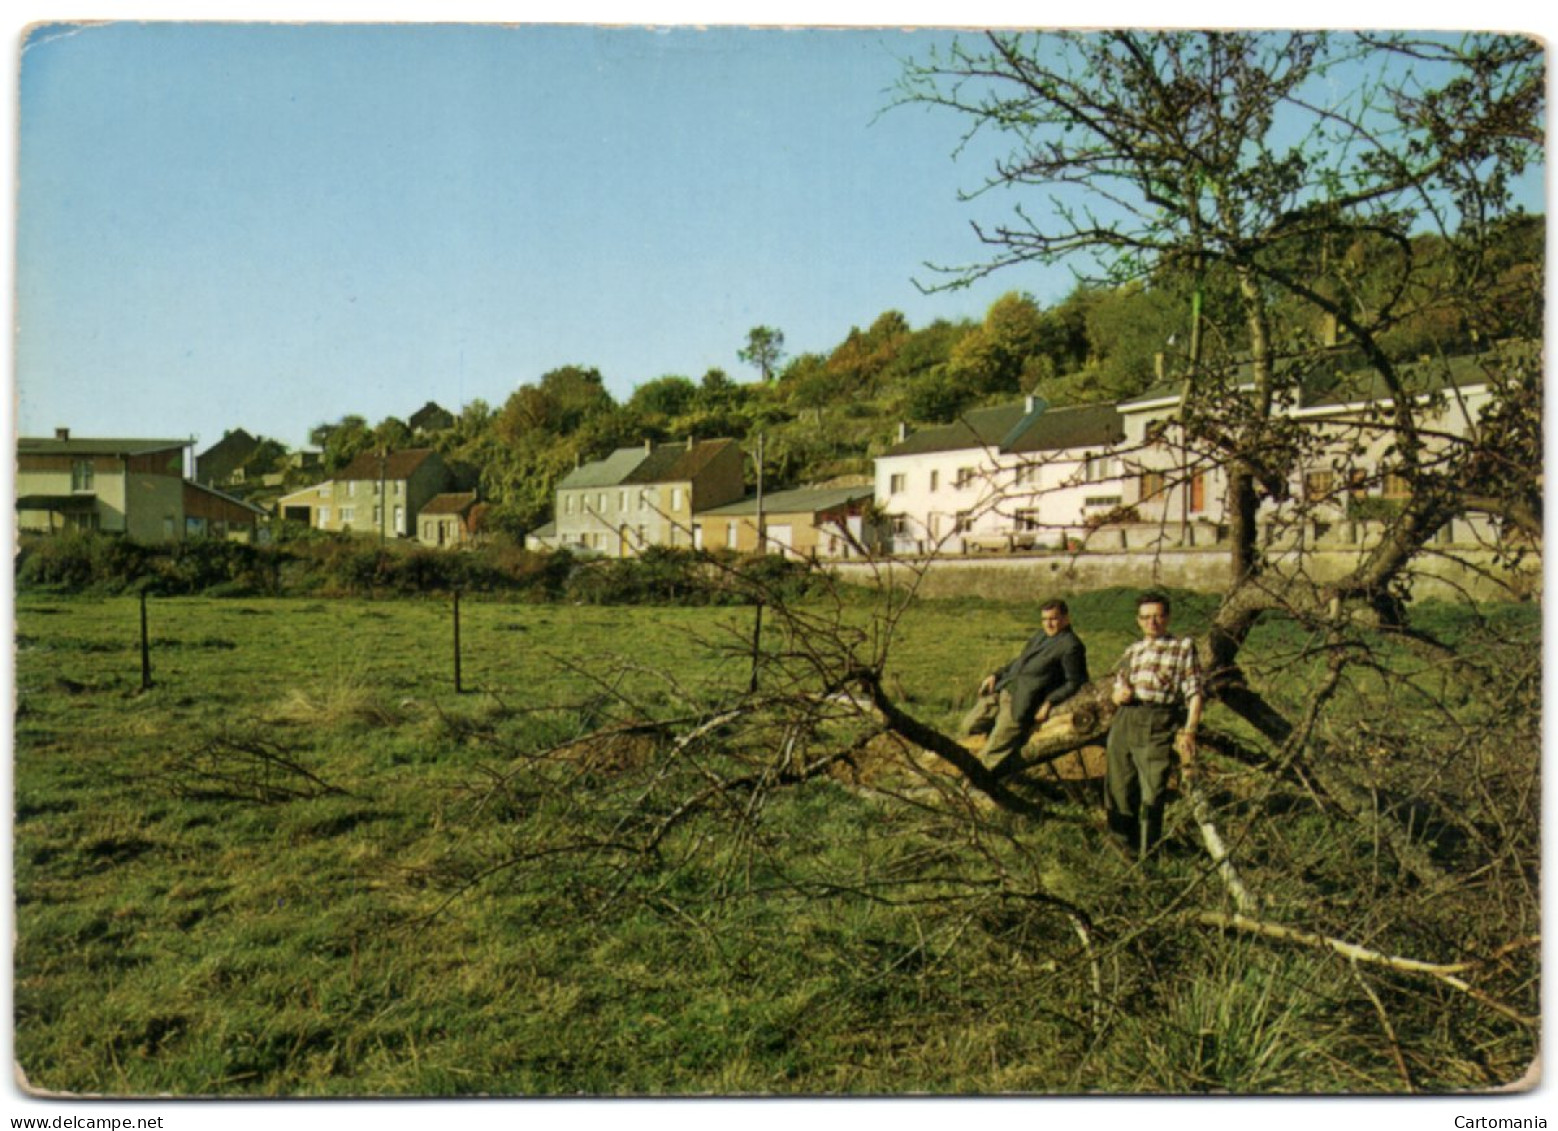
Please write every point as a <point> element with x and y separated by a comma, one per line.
<point>196,917</point>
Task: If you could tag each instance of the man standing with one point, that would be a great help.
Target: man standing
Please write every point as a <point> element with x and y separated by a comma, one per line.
<point>1050,670</point>
<point>1158,688</point>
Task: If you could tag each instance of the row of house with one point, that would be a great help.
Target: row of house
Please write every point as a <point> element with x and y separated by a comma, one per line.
<point>1024,476</point>
<point>138,488</point>
<point>1020,476</point>
<point>1123,475</point>
<point>400,494</point>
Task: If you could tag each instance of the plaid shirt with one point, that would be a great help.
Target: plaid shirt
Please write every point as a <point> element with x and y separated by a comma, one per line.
<point>1163,672</point>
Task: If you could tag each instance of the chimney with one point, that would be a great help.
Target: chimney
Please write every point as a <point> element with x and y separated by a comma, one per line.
<point>903,431</point>
<point>62,433</point>
<point>1157,365</point>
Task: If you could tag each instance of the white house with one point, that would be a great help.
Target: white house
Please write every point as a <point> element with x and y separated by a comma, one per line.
<point>1014,476</point>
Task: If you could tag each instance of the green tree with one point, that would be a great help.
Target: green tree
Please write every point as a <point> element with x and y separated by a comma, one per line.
<point>663,398</point>
<point>342,441</point>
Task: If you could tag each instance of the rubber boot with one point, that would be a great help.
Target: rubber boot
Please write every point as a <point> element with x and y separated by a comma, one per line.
<point>1124,827</point>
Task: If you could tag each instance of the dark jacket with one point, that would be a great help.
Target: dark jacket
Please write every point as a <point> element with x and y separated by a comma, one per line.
<point>1051,669</point>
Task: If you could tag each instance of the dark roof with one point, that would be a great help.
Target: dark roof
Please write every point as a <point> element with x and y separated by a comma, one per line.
<point>1346,380</point>
<point>977,428</point>
<point>456,502</point>
<point>1416,378</point>
<point>665,463</point>
<point>431,416</point>
<point>1058,429</point>
<point>676,463</point>
<point>29,445</point>
<point>236,439</point>
<point>802,500</point>
<point>398,465</point>
<point>1020,428</point>
<point>64,504</point>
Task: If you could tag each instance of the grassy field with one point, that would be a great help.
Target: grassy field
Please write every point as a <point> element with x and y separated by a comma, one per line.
<point>301,864</point>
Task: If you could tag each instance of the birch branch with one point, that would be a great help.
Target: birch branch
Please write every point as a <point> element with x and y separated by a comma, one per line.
<point>1446,973</point>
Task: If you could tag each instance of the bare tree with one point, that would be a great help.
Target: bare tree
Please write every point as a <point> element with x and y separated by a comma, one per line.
<point>1375,801</point>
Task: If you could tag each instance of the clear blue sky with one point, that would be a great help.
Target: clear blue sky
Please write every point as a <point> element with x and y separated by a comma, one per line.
<point>270,226</point>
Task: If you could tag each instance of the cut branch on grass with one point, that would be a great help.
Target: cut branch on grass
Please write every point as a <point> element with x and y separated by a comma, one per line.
<point>245,769</point>
<point>1445,973</point>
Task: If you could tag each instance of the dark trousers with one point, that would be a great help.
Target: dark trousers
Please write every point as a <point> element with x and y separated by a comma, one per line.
<point>1141,753</point>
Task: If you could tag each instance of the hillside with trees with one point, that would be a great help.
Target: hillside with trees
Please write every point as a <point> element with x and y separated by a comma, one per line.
<point>827,414</point>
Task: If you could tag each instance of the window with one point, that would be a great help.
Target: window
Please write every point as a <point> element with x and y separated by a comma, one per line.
<point>400,519</point>
<point>1027,474</point>
<point>1357,483</point>
<point>1318,485</point>
<point>963,523</point>
<point>427,532</point>
<point>1027,520</point>
<point>1101,501</point>
<point>895,484</point>
<point>901,525</point>
<point>1151,484</point>
<point>378,516</point>
<point>730,534</point>
<point>1396,485</point>
<point>935,480</point>
<point>324,516</point>
<point>351,490</point>
<point>324,491</point>
<point>81,475</point>
<point>965,476</point>
<point>348,515</point>
<point>622,500</point>
<point>400,488</point>
<point>1101,467</point>
<point>676,498</point>
<point>600,503</point>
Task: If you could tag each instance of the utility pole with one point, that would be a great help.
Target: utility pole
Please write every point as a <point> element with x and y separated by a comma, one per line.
<point>762,532</point>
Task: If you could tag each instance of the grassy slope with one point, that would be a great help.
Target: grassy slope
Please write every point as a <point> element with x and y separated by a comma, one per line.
<point>173,939</point>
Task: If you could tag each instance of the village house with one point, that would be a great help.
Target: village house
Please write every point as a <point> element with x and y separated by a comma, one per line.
<point>430,418</point>
<point>377,493</point>
<point>1016,476</point>
<point>450,520</point>
<point>208,513</point>
<point>120,486</point>
<point>820,522</point>
<point>638,497</point>
<point>219,463</point>
<point>131,487</point>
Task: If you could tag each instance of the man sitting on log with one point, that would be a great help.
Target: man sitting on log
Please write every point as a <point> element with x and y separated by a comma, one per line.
<point>1050,669</point>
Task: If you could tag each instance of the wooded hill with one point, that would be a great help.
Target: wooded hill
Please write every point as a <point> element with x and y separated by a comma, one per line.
<point>825,415</point>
